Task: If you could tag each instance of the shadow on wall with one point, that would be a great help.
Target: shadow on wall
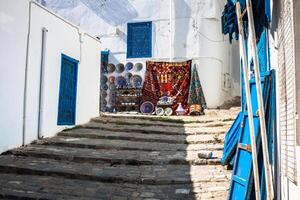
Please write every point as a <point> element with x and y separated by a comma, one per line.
<point>114,12</point>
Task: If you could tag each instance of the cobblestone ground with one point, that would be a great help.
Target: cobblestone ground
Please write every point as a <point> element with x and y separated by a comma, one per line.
<point>123,156</point>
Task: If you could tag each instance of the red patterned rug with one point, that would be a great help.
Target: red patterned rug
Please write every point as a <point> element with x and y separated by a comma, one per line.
<point>167,79</point>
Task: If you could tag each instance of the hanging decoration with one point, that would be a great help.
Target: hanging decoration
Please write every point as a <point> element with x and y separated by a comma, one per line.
<point>169,79</point>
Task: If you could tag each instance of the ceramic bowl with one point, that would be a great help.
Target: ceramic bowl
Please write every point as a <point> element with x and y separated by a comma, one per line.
<point>111,68</point>
<point>138,67</point>
<point>120,68</point>
<point>128,66</point>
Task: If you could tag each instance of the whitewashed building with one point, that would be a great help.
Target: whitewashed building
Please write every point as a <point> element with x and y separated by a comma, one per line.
<point>181,30</point>
<point>38,48</point>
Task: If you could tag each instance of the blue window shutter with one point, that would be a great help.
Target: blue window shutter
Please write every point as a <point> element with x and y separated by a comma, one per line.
<point>139,40</point>
<point>67,91</point>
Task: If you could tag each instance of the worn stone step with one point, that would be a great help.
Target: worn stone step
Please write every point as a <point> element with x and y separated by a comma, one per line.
<point>144,174</point>
<point>217,122</point>
<point>48,187</point>
<point>113,157</point>
<point>126,145</point>
<point>156,129</point>
<point>180,139</point>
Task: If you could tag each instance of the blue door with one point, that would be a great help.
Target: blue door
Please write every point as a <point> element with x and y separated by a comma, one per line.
<point>67,91</point>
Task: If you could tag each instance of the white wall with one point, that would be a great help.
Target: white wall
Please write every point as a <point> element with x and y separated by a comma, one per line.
<point>196,35</point>
<point>62,37</point>
<point>13,33</point>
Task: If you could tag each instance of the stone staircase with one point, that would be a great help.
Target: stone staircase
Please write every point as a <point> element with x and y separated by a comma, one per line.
<point>122,156</point>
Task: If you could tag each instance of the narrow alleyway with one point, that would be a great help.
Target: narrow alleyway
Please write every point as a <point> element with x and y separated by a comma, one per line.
<point>123,157</point>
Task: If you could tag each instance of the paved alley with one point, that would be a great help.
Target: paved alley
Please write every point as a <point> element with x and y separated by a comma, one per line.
<point>123,157</point>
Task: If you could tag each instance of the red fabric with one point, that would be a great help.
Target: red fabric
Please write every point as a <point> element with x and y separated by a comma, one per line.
<point>167,79</point>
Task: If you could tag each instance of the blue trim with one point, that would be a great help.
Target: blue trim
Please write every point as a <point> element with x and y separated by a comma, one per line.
<point>139,47</point>
<point>61,119</point>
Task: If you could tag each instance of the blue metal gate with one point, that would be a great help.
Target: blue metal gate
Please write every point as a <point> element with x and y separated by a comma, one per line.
<point>67,91</point>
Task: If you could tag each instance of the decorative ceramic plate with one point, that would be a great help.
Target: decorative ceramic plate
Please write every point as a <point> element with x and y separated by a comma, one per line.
<point>128,76</point>
<point>120,68</point>
<point>138,67</point>
<point>112,101</point>
<point>103,79</point>
<point>121,81</point>
<point>128,66</point>
<point>103,102</point>
<point>147,107</point>
<point>136,81</point>
<point>159,111</point>
<point>103,94</point>
<point>168,111</point>
<point>111,79</point>
<point>104,86</point>
<point>111,68</point>
<point>112,87</point>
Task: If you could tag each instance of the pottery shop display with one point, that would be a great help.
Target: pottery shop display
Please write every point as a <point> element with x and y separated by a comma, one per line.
<point>111,68</point>
<point>136,81</point>
<point>103,79</point>
<point>111,79</point>
<point>138,67</point>
<point>121,82</point>
<point>147,107</point>
<point>159,111</point>
<point>128,66</point>
<point>120,68</point>
<point>168,111</point>
<point>104,87</point>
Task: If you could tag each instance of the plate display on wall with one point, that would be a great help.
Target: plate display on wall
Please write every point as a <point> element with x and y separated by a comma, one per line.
<point>120,68</point>
<point>103,94</point>
<point>112,87</point>
<point>121,81</point>
<point>168,111</point>
<point>136,81</point>
<point>138,67</point>
<point>159,111</point>
<point>104,86</point>
<point>147,107</point>
<point>111,68</point>
<point>103,79</point>
<point>128,66</point>
<point>111,79</point>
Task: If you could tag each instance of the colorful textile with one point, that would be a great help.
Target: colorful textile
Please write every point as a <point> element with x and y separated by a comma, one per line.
<point>170,79</point>
<point>196,95</point>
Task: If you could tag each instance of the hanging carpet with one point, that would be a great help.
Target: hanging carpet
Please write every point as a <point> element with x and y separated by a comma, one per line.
<point>196,96</point>
<point>170,79</point>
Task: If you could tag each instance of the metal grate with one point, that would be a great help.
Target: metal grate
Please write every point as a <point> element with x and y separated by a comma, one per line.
<point>67,91</point>
<point>287,92</point>
<point>139,40</point>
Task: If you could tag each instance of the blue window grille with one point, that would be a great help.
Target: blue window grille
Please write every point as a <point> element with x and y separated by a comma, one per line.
<point>139,40</point>
<point>67,91</point>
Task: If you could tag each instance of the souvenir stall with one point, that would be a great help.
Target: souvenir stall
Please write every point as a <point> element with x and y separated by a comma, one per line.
<point>160,88</point>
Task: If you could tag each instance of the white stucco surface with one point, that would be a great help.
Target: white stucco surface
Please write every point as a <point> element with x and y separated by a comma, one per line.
<point>62,38</point>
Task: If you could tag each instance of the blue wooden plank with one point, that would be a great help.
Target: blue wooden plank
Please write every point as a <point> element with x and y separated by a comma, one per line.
<point>67,91</point>
<point>231,139</point>
<point>243,162</point>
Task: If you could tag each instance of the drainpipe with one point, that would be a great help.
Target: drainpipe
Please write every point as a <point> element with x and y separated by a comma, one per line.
<point>26,76</point>
<point>42,80</point>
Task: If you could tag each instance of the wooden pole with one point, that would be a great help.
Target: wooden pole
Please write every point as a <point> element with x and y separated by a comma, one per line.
<point>261,111</point>
<point>248,101</point>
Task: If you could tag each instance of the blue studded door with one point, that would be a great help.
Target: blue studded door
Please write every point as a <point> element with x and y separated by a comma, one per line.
<point>67,91</point>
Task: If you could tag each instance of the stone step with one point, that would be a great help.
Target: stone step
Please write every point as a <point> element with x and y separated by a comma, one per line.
<point>179,139</point>
<point>156,129</point>
<point>114,157</point>
<point>217,122</point>
<point>48,187</point>
<point>126,145</point>
<point>144,174</point>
